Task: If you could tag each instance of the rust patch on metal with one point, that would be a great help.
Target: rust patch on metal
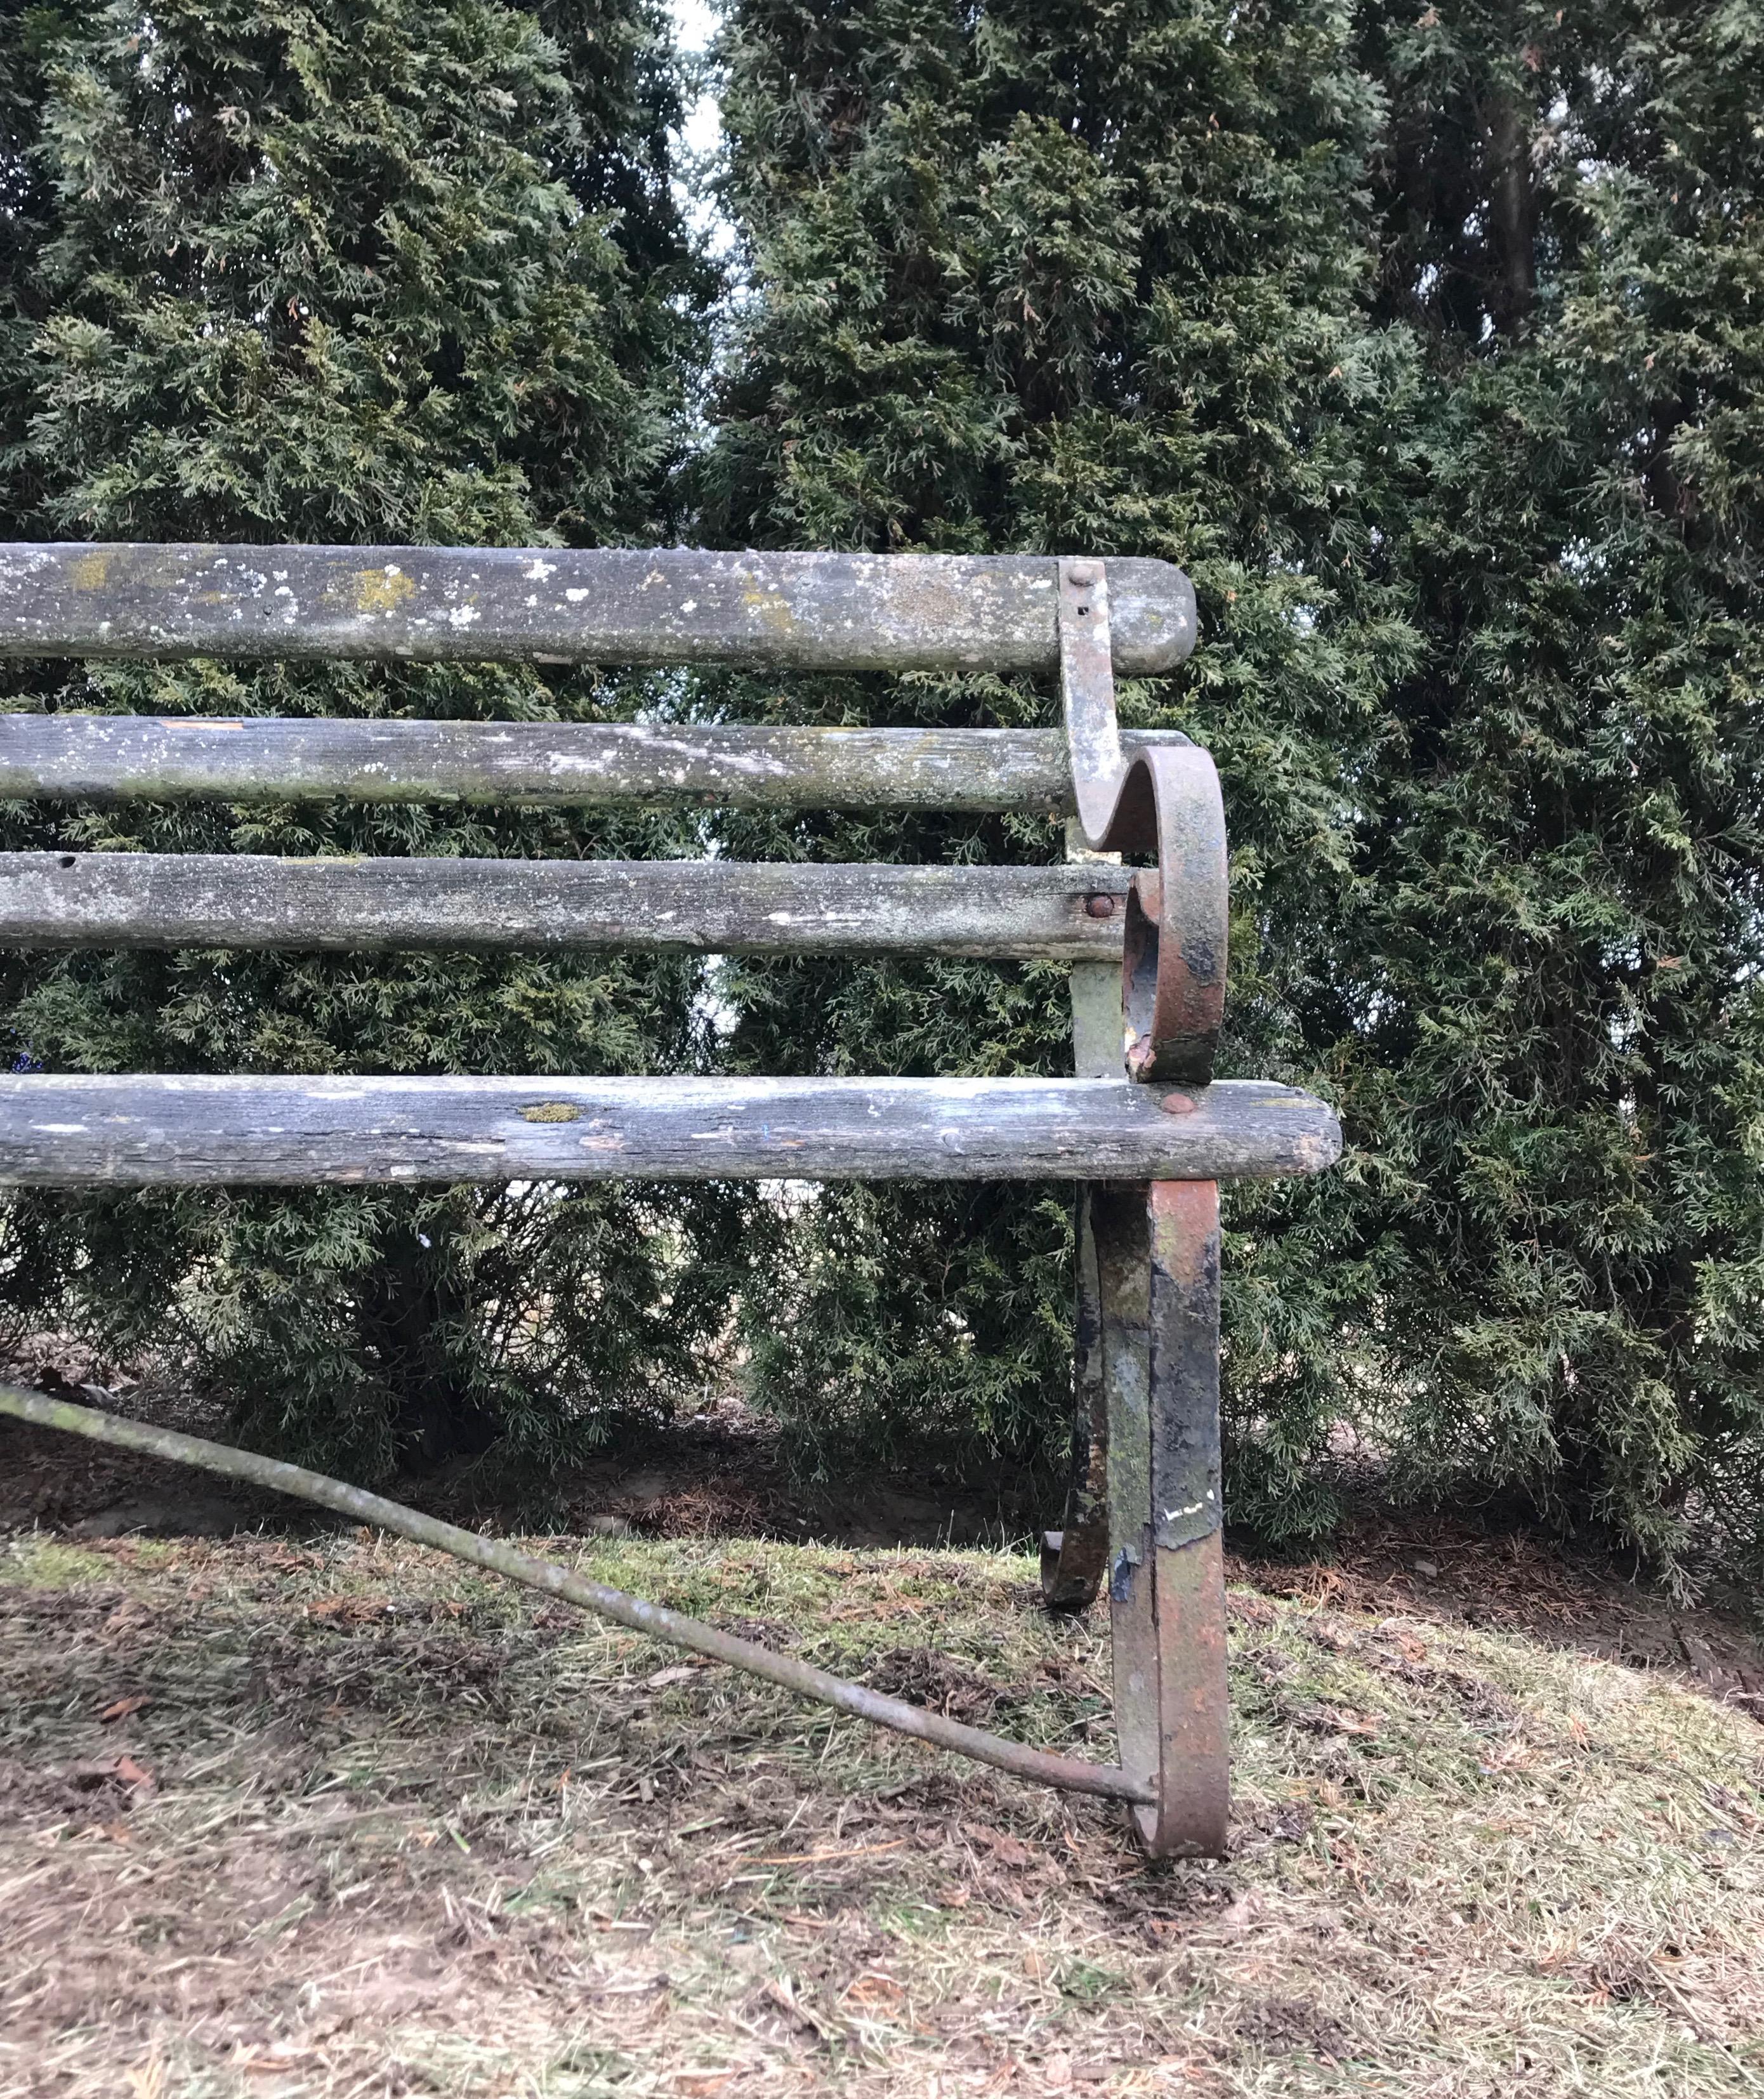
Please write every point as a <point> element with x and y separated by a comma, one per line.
<point>1186,1493</point>
<point>1185,1228</point>
<point>1190,1818</point>
<point>1163,802</point>
<point>1166,1585</point>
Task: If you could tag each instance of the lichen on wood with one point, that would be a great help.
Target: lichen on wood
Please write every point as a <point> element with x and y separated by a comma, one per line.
<point>139,758</point>
<point>846,612</point>
<point>705,906</point>
<point>154,1130</point>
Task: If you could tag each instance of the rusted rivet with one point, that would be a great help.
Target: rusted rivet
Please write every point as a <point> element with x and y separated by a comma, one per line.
<point>1081,574</point>
<point>1100,907</point>
<point>1178,1104</point>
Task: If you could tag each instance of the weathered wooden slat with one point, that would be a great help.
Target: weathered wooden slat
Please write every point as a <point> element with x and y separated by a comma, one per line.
<point>137,757</point>
<point>139,1132</point>
<point>723,907</point>
<point>857,612</point>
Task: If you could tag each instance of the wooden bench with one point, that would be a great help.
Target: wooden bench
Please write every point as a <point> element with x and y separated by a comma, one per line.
<point>1141,1126</point>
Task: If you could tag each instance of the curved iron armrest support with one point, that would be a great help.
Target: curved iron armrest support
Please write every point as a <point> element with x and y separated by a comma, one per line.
<point>1145,1508</point>
<point>1165,803</point>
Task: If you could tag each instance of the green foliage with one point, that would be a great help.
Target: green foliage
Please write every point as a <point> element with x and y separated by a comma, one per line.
<point>353,271</point>
<point>1045,280</point>
<point>1428,340</point>
<point>1561,1052</point>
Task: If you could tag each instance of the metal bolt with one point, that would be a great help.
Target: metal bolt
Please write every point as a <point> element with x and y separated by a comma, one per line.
<point>1081,574</point>
<point>1177,1104</point>
<point>1100,907</point>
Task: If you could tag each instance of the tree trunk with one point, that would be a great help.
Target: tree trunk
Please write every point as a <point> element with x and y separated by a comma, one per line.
<point>405,1315</point>
<point>1512,217</point>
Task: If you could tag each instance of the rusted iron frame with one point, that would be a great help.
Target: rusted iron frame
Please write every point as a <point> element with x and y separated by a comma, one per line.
<point>1167,803</point>
<point>1164,803</point>
<point>1145,1497</point>
<point>1159,1253</point>
<point>1068,1773</point>
<point>1146,1501</point>
<point>1074,1558</point>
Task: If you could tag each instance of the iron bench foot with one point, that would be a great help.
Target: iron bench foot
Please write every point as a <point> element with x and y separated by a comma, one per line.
<point>1156,1250</point>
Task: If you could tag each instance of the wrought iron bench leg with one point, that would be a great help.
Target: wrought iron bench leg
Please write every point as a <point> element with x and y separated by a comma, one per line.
<point>1157,1251</point>
<point>1075,1558</point>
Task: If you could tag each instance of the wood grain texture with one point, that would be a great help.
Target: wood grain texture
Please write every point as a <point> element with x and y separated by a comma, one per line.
<point>850,612</point>
<point>141,1132</point>
<point>135,757</point>
<point>708,906</point>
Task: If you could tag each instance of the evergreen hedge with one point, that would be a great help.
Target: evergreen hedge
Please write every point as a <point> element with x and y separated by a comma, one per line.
<point>1428,340</point>
<point>1557,1051</point>
<point>392,270</point>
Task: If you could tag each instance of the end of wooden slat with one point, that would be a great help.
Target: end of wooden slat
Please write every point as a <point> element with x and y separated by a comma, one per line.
<point>1153,619</point>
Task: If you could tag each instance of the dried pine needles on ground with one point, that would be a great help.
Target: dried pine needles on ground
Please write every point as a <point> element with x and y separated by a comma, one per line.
<point>331,1817</point>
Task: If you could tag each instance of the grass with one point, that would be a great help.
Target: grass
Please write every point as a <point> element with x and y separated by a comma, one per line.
<point>382,1826</point>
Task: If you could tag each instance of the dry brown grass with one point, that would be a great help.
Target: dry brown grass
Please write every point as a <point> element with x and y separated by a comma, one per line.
<point>381,1828</point>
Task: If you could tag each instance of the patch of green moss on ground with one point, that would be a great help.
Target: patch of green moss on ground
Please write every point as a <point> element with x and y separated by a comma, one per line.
<point>35,1561</point>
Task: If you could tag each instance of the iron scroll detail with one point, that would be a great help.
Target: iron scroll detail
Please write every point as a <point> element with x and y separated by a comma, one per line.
<point>1163,804</point>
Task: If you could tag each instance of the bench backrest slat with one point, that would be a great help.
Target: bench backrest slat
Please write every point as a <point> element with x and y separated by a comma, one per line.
<point>1068,913</point>
<point>135,757</point>
<point>831,611</point>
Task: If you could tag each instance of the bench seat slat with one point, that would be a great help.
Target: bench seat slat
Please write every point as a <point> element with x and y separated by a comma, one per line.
<point>702,906</point>
<point>154,1131</point>
<point>536,764</point>
<point>829,612</point>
